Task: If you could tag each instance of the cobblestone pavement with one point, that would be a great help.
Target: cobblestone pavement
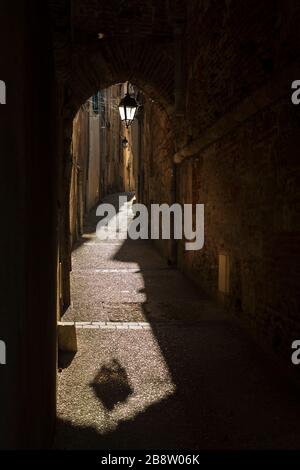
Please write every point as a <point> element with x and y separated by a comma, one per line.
<point>158,365</point>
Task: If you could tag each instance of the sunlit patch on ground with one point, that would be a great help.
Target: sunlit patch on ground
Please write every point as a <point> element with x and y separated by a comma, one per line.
<point>113,377</point>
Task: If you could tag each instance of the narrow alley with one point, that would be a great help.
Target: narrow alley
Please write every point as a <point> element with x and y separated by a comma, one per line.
<point>158,365</point>
<point>179,328</point>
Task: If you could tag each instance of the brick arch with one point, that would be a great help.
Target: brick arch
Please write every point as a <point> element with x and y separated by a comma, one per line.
<point>138,43</point>
<point>149,68</point>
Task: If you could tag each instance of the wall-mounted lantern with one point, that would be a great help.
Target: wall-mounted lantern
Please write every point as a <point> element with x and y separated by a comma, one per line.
<point>127,108</point>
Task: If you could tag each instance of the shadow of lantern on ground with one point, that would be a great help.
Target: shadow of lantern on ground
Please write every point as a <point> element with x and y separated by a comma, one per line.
<point>111,385</point>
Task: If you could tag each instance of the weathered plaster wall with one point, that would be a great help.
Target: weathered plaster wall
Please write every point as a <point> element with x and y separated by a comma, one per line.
<point>80,152</point>
<point>93,176</point>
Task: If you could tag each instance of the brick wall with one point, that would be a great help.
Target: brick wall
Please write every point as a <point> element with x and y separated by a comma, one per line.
<point>248,177</point>
<point>232,47</point>
<point>248,183</point>
<point>157,155</point>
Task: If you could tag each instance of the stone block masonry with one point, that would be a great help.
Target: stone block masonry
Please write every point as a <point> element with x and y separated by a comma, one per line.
<point>244,171</point>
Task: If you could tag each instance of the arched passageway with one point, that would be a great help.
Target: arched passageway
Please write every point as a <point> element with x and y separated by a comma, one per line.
<point>219,129</point>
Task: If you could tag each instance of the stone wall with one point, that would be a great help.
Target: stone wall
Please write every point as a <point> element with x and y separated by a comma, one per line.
<point>157,163</point>
<point>247,178</point>
<point>231,49</point>
<point>248,183</point>
<point>240,158</point>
